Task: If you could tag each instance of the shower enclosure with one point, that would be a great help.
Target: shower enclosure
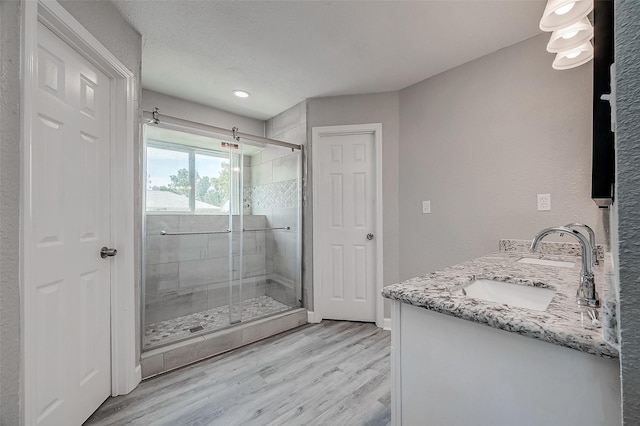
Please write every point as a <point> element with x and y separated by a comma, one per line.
<point>222,232</point>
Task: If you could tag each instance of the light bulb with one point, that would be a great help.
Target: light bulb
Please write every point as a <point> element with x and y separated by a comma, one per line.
<point>564,9</point>
<point>572,34</point>
<point>573,55</point>
<point>241,93</point>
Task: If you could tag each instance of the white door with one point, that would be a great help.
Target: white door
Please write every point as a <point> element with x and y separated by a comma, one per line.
<point>345,210</point>
<point>67,283</point>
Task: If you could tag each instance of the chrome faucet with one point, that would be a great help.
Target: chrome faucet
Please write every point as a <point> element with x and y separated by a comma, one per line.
<point>586,296</point>
<point>592,239</point>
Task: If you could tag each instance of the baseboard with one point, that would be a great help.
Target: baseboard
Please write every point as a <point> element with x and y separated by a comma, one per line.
<point>312,318</point>
<point>386,324</point>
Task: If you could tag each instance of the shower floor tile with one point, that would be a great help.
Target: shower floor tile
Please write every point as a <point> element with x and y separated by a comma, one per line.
<point>167,331</point>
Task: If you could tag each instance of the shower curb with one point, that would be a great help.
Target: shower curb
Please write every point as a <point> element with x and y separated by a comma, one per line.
<point>176,355</point>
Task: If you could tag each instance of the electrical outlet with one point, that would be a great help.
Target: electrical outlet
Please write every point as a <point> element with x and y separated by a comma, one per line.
<point>426,207</point>
<point>544,202</point>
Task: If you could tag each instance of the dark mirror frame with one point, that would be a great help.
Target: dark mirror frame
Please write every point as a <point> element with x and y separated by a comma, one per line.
<point>603,166</point>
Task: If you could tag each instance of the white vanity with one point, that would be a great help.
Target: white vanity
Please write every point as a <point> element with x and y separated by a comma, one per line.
<point>460,359</point>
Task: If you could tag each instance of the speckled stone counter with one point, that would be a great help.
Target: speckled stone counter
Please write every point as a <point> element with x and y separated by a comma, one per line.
<point>559,324</point>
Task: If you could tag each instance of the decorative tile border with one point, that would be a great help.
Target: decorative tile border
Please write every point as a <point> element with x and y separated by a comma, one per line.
<point>272,195</point>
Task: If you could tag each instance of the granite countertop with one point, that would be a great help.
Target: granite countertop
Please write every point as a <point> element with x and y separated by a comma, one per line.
<point>559,324</point>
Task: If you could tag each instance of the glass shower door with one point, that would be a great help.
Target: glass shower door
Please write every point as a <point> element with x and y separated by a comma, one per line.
<point>188,247</point>
<point>222,233</point>
<point>271,246</point>
<point>236,224</point>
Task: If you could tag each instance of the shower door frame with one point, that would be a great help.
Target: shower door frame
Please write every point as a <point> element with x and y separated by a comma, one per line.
<point>186,126</point>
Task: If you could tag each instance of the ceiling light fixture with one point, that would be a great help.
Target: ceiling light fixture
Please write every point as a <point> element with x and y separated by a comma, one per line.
<point>241,93</point>
<point>570,37</point>
<point>564,9</point>
<point>574,57</point>
<point>561,13</point>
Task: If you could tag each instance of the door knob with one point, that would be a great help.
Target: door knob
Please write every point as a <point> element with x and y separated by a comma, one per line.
<point>107,252</point>
<point>369,236</point>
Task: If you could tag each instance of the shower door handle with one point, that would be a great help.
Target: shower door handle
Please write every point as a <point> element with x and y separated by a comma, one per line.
<point>107,252</point>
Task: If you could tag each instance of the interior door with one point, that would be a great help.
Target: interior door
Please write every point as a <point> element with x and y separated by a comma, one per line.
<point>346,197</point>
<point>67,282</point>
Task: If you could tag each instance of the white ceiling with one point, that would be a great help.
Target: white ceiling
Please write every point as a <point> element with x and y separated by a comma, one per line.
<point>286,51</point>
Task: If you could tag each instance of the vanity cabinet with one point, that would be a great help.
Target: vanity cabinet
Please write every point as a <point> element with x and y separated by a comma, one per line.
<point>451,371</point>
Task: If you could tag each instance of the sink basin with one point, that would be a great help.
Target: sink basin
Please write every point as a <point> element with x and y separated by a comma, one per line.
<point>546,262</point>
<point>517,295</point>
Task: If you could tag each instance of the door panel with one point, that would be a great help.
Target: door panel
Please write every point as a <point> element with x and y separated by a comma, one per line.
<point>360,272</point>
<point>67,283</point>
<point>345,194</point>
<point>47,157</point>
<point>50,305</point>
<point>337,269</point>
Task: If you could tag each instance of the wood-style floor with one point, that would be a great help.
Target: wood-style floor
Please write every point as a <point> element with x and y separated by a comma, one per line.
<point>334,373</point>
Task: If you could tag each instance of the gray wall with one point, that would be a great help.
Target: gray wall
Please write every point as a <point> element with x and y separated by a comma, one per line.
<point>627,56</point>
<point>180,108</point>
<point>9,219</point>
<point>480,141</point>
<point>362,109</point>
<point>108,26</point>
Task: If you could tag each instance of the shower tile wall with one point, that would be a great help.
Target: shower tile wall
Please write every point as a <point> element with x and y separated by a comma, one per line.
<point>274,195</point>
<point>189,273</point>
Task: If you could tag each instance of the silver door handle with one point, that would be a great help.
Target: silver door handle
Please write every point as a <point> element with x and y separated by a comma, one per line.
<point>369,236</point>
<point>107,252</point>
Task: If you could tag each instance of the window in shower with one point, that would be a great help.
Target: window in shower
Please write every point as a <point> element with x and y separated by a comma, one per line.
<point>212,179</point>
<point>168,183</point>
<point>185,179</point>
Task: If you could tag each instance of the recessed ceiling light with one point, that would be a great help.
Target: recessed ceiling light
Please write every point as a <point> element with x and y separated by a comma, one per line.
<point>241,93</point>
